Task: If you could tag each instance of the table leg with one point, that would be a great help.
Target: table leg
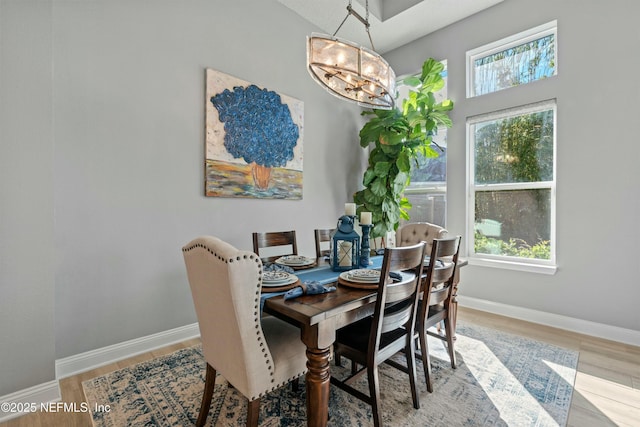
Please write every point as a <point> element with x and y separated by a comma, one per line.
<point>317,383</point>
<point>453,307</point>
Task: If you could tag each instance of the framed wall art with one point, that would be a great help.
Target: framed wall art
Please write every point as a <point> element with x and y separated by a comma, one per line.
<point>253,140</point>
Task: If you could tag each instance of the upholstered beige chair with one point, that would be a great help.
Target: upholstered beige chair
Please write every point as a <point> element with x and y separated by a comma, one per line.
<point>256,355</point>
<point>416,232</point>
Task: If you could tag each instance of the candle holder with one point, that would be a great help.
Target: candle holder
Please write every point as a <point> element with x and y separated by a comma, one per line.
<point>365,248</point>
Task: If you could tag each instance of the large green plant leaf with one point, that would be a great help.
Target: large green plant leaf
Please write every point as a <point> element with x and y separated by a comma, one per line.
<point>369,176</point>
<point>403,163</point>
<point>371,199</point>
<point>379,186</point>
<point>431,67</point>
<point>412,81</point>
<point>382,169</point>
<point>399,136</point>
<point>400,183</point>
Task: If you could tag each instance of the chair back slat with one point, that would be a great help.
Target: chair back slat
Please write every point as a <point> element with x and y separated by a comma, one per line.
<point>322,235</point>
<point>283,243</point>
<point>396,299</point>
<point>439,280</point>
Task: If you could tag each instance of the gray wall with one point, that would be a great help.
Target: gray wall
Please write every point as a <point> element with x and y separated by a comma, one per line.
<point>26,197</point>
<point>598,152</point>
<point>103,136</point>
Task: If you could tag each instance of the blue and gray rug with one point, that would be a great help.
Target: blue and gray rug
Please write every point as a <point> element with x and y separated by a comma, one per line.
<point>501,380</point>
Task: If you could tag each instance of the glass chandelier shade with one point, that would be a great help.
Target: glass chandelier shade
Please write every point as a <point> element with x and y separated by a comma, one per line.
<point>351,72</point>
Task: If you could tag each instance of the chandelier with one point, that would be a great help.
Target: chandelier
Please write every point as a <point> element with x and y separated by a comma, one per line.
<point>350,71</point>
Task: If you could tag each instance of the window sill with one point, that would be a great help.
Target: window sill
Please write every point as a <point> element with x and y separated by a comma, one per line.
<point>514,265</point>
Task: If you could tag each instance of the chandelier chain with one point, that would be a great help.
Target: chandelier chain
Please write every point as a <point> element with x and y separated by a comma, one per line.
<point>365,21</point>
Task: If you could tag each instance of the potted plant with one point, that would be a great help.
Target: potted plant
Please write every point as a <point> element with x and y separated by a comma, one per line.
<point>399,137</point>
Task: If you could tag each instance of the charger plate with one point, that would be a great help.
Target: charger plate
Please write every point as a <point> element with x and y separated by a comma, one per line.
<point>285,287</point>
<point>306,262</point>
<point>342,280</point>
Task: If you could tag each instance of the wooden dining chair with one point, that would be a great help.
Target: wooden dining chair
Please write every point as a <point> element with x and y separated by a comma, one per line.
<point>254,354</point>
<point>322,235</point>
<point>372,340</point>
<point>283,242</point>
<point>435,303</point>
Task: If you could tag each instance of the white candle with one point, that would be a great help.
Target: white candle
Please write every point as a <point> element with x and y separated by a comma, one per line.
<point>350,209</point>
<point>365,218</point>
<point>344,255</point>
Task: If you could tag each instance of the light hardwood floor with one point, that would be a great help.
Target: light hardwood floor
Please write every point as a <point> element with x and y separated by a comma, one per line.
<point>607,388</point>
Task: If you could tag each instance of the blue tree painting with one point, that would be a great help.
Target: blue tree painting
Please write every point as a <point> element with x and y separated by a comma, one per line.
<point>261,133</point>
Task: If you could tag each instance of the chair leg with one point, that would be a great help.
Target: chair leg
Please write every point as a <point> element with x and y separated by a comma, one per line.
<point>374,393</point>
<point>209,385</point>
<point>411,370</point>
<point>426,362</point>
<point>253,413</point>
<point>448,326</point>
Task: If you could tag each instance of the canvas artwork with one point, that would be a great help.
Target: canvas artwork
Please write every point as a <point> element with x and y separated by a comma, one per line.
<point>253,140</point>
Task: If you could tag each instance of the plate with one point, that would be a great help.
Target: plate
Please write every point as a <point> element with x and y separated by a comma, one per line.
<point>292,279</point>
<point>359,279</point>
<point>275,277</point>
<point>364,275</point>
<point>295,260</point>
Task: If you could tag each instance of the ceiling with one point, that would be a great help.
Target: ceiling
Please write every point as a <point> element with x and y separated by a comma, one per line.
<point>393,22</point>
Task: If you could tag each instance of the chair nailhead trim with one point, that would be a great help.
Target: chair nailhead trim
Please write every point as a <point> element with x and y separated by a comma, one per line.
<point>256,301</point>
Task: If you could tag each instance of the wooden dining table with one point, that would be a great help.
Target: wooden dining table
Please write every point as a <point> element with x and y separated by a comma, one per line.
<point>319,317</point>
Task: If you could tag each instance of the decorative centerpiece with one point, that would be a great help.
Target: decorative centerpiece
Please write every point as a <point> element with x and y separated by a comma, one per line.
<point>365,224</point>
<point>345,245</point>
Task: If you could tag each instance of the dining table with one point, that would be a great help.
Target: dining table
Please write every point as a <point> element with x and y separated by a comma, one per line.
<point>319,317</point>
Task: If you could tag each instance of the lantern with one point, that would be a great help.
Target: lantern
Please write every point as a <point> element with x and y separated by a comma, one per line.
<point>345,245</point>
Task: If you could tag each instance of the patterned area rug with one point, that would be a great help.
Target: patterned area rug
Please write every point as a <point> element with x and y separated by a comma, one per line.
<point>501,380</point>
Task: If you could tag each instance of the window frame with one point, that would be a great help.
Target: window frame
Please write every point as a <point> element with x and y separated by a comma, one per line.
<point>508,43</point>
<point>502,261</point>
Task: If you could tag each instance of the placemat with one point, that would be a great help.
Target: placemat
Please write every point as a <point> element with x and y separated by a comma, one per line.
<point>269,289</point>
<point>368,286</point>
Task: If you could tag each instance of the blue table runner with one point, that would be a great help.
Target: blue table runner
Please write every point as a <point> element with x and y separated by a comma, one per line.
<point>323,274</point>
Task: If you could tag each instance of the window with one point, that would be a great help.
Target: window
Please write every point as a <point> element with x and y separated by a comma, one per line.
<point>512,187</point>
<point>520,59</point>
<point>427,191</point>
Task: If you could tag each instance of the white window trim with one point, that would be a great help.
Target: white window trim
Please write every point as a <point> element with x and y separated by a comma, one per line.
<point>507,43</point>
<point>500,261</point>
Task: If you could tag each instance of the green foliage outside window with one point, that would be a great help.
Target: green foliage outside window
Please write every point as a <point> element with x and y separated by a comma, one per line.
<point>514,247</point>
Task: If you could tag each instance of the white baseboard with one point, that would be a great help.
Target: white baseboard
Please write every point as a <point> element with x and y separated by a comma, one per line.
<point>586,327</point>
<point>50,391</point>
<point>102,356</point>
<point>32,398</point>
